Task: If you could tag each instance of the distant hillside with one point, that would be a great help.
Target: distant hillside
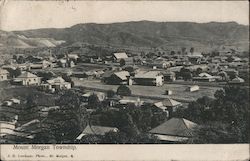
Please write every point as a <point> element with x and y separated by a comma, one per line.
<point>10,39</point>
<point>149,34</point>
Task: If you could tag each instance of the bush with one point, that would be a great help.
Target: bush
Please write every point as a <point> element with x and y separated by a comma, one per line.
<point>110,93</point>
<point>123,90</point>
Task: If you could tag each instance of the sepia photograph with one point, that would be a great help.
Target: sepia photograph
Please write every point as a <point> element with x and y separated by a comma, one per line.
<point>124,72</point>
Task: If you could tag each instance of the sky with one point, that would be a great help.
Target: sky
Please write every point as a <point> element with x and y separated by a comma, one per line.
<point>22,15</point>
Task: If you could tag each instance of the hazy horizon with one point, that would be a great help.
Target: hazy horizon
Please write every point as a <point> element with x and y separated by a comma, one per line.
<point>28,15</point>
<point>129,22</point>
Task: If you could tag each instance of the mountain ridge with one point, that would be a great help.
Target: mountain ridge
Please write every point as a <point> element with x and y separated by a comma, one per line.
<point>147,33</point>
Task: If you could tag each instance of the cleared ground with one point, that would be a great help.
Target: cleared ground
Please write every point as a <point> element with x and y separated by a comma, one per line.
<point>179,92</point>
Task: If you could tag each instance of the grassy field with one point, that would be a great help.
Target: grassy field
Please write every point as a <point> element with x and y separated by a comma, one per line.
<point>179,92</point>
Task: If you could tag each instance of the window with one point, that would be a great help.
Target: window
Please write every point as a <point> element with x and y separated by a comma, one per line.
<point>34,79</point>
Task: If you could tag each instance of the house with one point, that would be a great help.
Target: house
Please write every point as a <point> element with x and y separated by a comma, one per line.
<point>116,78</point>
<point>129,61</point>
<point>3,74</point>
<point>195,58</point>
<point>56,84</point>
<point>193,88</point>
<point>96,130</point>
<point>169,92</point>
<point>204,77</point>
<point>40,65</point>
<point>44,111</point>
<point>118,56</point>
<point>161,63</point>
<point>168,104</point>
<point>169,76</point>
<point>231,72</point>
<point>27,131</point>
<point>159,107</point>
<point>237,80</point>
<point>74,57</point>
<point>131,100</point>
<point>112,101</point>
<point>11,102</point>
<point>94,73</point>
<point>6,128</point>
<point>174,130</point>
<point>100,95</point>
<point>154,78</point>
<point>63,63</point>
<point>27,78</point>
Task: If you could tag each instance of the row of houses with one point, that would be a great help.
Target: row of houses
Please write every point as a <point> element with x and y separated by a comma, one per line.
<point>154,78</point>
<point>30,79</point>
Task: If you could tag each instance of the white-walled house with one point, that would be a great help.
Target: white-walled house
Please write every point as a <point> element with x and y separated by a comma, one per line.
<point>154,78</point>
<point>56,84</point>
<point>119,56</point>
<point>27,79</point>
<point>3,74</point>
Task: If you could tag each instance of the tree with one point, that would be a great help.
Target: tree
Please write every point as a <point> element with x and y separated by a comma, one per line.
<point>68,79</point>
<point>94,102</point>
<point>122,62</point>
<point>14,57</point>
<point>214,133</point>
<point>123,90</point>
<point>69,119</point>
<point>115,138</point>
<point>186,74</point>
<point>110,93</point>
<point>227,114</point>
<point>198,71</point>
<point>230,59</point>
<point>172,53</point>
<point>20,60</point>
<point>45,75</point>
<point>14,72</point>
<point>184,50</point>
<point>192,50</point>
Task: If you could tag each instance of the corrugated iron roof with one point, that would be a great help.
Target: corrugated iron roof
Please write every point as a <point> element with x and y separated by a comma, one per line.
<point>27,75</point>
<point>122,55</point>
<point>98,130</point>
<point>175,127</point>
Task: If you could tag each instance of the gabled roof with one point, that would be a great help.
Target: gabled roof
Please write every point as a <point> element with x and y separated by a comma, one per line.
<point>237,80</point>
<point>3,71</point>
<point>121,55</point>
<point>205,75</point>
<point>75,56</point>
<point>107,73</point>
<point>27,75</point>
<point>98,130</point>
<point>122,75</point>
<point>56,80</point>
<point>98,94</point>
<point>195,54</point>
<point>175,127</point>
<point>149,74</point>
<point>160,105</point>
<point>168,102</point>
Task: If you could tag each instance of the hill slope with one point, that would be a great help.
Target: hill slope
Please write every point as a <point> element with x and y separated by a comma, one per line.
<point>150,34</point>
<point>10,39</point>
